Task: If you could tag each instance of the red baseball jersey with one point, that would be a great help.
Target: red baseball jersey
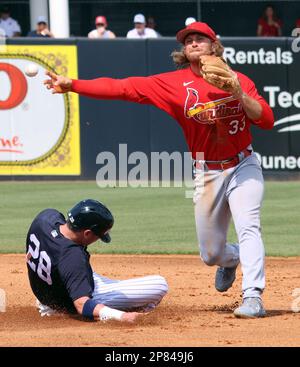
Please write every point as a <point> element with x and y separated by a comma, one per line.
<point>213,121</point>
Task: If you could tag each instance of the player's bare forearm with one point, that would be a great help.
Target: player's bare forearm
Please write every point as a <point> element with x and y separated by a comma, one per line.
<point>259,112</point>
<point>251,106</point>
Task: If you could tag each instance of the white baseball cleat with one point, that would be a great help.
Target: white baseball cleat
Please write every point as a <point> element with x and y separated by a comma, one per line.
<point>251,307</point>
<point>46,310</point>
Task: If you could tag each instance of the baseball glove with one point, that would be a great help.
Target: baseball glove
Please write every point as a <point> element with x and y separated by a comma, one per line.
<point>216,72</point>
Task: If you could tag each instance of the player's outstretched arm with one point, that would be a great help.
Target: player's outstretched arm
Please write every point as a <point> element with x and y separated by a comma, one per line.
<point>142,89</point>
<point>87,307</point>
<point>58,83</point>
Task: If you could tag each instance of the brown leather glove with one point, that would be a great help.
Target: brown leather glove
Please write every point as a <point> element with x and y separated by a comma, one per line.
<point>216,72</point>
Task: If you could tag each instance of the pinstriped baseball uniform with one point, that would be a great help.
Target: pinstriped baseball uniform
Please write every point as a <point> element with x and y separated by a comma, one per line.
<point>60,273</point>
<point>138,293</point>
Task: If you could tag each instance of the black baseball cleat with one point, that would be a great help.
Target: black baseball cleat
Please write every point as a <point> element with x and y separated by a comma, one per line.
<point>224,278</point>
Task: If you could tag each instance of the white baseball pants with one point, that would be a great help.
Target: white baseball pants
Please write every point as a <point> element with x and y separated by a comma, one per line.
<point>143,293</point>
<point>236,192</point>
<point>137,294</point>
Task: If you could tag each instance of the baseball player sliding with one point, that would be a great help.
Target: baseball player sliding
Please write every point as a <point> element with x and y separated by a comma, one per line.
<point>61,276</point>
<point>215,107</point>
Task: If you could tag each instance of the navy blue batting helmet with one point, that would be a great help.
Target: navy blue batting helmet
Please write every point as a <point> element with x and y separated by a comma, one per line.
<point>91,214</point>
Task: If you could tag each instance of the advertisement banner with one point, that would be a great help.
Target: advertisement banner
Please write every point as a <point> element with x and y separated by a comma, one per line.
<point>39,132</point>
<point>273,65</point>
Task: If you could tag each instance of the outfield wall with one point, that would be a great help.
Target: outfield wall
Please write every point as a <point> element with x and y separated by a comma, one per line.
<point>46,136</point>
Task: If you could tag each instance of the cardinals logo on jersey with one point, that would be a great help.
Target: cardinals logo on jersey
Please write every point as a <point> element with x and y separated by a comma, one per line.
<point>192,101</point>
<point>210,112</point>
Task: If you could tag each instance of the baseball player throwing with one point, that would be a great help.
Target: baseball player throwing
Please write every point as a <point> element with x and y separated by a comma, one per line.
<point>215,108</point>
<point>61,276</point>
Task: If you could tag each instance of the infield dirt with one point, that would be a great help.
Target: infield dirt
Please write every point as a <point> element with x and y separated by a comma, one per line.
<point>192,314</point>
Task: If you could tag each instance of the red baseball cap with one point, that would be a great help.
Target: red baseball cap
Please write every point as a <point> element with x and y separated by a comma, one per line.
<point>101,20</point>
<point>196,27</point>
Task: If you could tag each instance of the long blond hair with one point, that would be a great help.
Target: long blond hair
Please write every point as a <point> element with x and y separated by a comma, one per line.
<point>181,61</point>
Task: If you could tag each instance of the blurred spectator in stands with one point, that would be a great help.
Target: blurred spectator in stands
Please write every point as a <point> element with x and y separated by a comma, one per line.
<point>269,25</point>
<point>140,30</point>
<point>2,33</point>
<point>189,20</point>
<point>152,25</point>
<point>101,30</point>
<point>9,25</point>
<point>42,29</point>
<point>297,24</point>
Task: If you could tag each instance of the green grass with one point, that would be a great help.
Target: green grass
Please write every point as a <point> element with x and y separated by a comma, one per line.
<point>156,220</point>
